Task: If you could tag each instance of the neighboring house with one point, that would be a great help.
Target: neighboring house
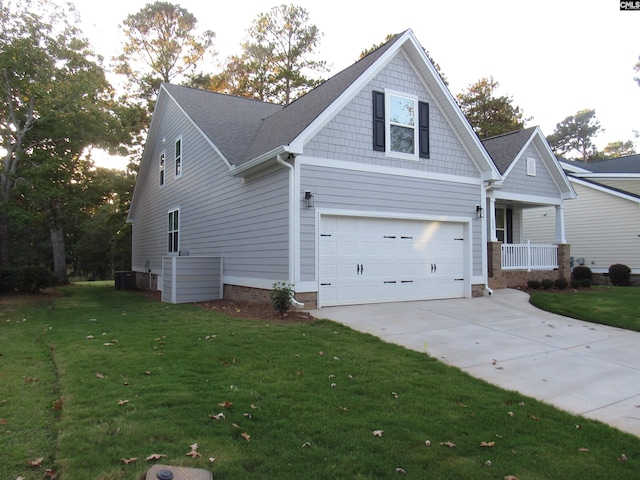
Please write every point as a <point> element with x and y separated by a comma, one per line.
<point>370,188</point>
<point>603,225</point>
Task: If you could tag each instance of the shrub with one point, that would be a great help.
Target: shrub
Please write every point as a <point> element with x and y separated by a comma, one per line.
<point>582,273</point>
<point>547,283</point>
<point>585,283</point>
<point>281,297</point>
<point>620,275</point>
<point>534,284</point>
<point>561,283</point>
<point>25,279</point>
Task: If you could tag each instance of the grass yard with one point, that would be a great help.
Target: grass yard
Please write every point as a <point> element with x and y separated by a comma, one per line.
<point>614,306</point>
<point>94,379</point>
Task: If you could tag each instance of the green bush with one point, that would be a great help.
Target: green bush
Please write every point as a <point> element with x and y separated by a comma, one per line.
<point>547,283</point>
<point>620,275</point>
<point>281,297</point>
<point>25,279</point>
<point>534,284</point>
<point>582,273</point>
<point>561,283</point>
<point>585,283</point>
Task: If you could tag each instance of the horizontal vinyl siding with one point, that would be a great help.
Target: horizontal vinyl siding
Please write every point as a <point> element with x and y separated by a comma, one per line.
<point>348,136</point>
<point>601,228</point>
<point>374,192</point>
<point>246,223</point>
<point>631,186</point>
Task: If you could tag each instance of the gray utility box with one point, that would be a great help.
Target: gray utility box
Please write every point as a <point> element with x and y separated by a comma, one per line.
<point>167,472</point>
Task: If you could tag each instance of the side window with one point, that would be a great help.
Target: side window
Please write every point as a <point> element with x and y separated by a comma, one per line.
<point>161,165</point>
<point>174,231</point>
<point>400,125</point>
<point>179,157</point>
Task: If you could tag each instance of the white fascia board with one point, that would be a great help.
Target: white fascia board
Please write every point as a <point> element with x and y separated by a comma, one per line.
<point>610,176</point>
<point>257,162</point>
<point>605,189</point>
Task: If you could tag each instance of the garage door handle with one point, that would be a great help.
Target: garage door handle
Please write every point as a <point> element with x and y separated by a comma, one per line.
<point>359,269</point>
<point>434,267</point>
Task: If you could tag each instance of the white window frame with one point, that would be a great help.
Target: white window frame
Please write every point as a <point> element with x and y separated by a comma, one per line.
<point>162,166</point>
<point>388,94</point>
<point>531,166</point>
<point>173,234</point>
<point>501,228</point>
<point>178,165</point>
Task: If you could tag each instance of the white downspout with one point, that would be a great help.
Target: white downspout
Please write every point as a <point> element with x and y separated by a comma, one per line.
<point>292,225</point>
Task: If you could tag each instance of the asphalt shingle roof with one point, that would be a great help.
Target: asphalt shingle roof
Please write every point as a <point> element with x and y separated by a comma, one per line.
<point>628,164</point>
<point>244,129</point>
<point>504,148</point>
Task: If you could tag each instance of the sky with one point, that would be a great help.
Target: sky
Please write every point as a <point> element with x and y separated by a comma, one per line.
<point>552,57</point>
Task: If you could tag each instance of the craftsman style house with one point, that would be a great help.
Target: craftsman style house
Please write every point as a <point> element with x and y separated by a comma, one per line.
<point>370,188</point>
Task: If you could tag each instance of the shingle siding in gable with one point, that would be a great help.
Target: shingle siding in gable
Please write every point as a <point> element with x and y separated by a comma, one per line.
<point>348,136</point>
<point>541,184</point>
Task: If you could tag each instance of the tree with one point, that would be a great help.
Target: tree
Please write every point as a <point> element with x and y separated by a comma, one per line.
<point>55,102</point>
<point>389,37</point>
<point>488,114</point>
<point>618,149</point>
<point>275,57</point>
<point>161,46</point>
<point>573,137</point>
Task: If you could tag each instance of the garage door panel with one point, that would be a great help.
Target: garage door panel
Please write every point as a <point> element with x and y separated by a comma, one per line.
<point>382,260</point>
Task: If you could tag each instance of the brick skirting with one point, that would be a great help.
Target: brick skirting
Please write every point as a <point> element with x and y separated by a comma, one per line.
<point>499,278</point>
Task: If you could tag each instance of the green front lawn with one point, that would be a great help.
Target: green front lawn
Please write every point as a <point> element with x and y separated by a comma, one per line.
<point>96,378</point>
<point>615,306</point>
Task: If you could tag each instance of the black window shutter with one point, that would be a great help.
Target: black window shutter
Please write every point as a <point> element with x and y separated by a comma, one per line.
<point>378,121</point>
<point>423,122</point>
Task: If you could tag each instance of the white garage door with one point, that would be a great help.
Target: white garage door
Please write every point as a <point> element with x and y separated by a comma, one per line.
<point>368,260</point>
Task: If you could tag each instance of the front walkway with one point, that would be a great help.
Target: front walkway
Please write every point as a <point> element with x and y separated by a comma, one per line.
<point>584,368</point>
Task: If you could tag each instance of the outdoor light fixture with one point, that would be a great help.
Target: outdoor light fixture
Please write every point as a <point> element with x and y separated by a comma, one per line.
<point>308,199</point>
<point>479,211</point>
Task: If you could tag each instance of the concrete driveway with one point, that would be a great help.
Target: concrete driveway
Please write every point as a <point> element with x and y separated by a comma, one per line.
<point>583,368</point>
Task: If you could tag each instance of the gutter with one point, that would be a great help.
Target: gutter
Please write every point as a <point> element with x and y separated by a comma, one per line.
<point>262,160</point>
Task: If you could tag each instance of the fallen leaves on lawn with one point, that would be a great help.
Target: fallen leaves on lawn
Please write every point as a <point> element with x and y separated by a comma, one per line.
<point>448,444</point>
<point>533,417</point>
<point>487,444</point>
<point>623,458</point>
<point>246,436</point>
<point>305,444</point>
<point>122,402</point>
<point>400,470</point>
<point>154,456</point>
<point>50,474</point>
<point>510,477</point>
<point>428,443</point>
<point>378,433</point>
<point>218,417</point>
<point>127,461</point>
<point>193,454</point>
<point>99,375</point>
<point>36,463</point>
<point>3,421</point>
<point>226,404</point>
<point>583,449</point>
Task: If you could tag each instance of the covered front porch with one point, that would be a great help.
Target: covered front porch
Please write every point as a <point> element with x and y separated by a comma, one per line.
<point>512,259</point>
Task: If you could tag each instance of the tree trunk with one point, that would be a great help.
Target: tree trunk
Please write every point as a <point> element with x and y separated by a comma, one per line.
<point>4,240</point>
<point>59,255</point>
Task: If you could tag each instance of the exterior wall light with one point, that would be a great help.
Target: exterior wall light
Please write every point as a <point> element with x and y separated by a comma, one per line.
<point>308,199</point>
<point>479,211</point>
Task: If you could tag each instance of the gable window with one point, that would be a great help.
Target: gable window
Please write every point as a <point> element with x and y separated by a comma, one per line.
<point>179,157</point>
<point>400,125</point>
<point>174,231</point>
<point>162,168</point>
<point>531,167</point>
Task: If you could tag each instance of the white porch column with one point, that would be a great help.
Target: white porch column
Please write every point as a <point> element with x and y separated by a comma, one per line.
<point>560,230</point>
<point>492,220</point>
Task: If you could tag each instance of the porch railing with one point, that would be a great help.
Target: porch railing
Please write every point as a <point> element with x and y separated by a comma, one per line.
<point>527,256</point>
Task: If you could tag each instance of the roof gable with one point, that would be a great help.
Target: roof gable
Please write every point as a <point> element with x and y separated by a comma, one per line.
<point>507,150</point>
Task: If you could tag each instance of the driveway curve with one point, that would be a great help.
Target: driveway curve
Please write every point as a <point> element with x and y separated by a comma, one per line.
<point>583,368</point>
